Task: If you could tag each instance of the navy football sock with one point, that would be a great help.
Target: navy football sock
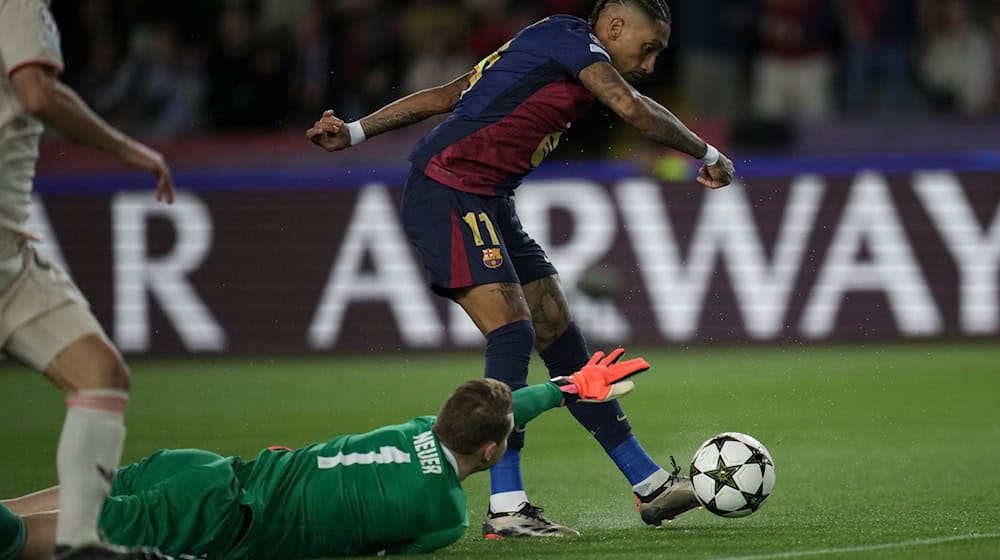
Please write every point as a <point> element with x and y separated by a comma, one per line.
<point>508,351</point>
<point>606,421</point>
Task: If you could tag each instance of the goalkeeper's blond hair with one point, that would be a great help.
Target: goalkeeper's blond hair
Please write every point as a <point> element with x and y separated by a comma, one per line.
<point>476,413</point>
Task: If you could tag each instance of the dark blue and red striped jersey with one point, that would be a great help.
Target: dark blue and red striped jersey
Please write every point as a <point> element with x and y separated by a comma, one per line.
<point>522,98</point>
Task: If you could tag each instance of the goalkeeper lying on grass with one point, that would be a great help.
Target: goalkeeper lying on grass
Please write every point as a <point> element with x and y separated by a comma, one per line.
<point>396,489</point>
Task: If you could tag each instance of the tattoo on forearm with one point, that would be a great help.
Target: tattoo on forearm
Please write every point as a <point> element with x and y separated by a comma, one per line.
<point>411,109</point>
<point>378,124</point>
<point>661,126</point>
<point>665,128</point>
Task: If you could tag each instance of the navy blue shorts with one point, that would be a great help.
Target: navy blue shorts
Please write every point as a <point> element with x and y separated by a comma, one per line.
<point>467,239</point>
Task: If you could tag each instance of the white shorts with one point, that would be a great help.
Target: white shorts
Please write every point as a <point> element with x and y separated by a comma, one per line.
<point>41,311</point>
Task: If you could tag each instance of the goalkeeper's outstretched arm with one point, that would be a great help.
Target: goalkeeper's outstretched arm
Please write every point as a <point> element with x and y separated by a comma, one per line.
<point>603,378</point>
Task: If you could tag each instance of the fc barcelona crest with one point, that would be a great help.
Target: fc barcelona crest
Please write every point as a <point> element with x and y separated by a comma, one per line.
<point>492,257</point>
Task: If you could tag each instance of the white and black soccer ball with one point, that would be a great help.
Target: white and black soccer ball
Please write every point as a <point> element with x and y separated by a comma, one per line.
<point>733,474</point>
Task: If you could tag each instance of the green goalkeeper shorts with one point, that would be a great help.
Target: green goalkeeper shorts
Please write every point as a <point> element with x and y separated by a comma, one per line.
<point>181,501</point>
<point>12,534</point>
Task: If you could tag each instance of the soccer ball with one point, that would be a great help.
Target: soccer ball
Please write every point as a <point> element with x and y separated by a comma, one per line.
<point>732,474</point>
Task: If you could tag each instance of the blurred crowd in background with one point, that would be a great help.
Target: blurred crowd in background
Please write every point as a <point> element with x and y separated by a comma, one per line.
<point>162,69</point>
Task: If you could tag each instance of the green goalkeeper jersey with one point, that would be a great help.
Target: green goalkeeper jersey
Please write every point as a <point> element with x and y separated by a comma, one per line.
<point>392,490</point>
<point>354,494</point>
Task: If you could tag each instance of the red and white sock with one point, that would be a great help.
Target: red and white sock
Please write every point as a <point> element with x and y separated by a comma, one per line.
<point>90,449</point>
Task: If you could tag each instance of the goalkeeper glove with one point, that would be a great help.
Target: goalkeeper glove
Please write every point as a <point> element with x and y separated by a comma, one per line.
<point>601,379</point>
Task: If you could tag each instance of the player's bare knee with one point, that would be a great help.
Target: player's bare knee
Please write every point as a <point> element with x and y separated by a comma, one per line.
<point>119,376</point>
<point>550,313</point>
<point>110,371</point>
<point>514,305</point>
<point>548,332</point>
<point>492,306</point>
<point>90,363</point>
<point>106,372</point>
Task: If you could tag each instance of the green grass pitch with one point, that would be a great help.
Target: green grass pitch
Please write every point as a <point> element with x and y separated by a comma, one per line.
<point>881,451</point>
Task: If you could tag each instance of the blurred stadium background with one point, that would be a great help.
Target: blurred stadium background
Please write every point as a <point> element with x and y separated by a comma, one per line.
<point>841,302</point>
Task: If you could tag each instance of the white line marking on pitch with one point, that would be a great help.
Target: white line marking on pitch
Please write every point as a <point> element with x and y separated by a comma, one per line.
<point>864,548</point>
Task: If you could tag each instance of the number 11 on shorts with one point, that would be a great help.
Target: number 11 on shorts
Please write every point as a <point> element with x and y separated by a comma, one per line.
<point>470,219</point>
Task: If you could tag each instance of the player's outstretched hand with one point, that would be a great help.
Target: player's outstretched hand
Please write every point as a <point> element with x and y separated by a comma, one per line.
<point>602,379</point>
<point>718,175</point>
<point>329,133</point>
<point>140,156</point>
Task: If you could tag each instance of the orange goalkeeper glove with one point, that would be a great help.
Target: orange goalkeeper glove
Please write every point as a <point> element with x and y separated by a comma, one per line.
<point>601,379</point>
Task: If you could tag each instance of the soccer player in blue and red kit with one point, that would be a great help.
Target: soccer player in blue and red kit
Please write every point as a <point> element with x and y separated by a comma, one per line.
<point>507,115</point>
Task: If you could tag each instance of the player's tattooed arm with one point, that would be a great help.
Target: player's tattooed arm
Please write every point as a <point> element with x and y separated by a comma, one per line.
<point>655,121</point>
<point>332,134</point>
<point>415,107</point>
<point>382,122</point>
<point>651,118</point>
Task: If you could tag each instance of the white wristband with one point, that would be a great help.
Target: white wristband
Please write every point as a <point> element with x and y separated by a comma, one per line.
<point>357,133</point>
<point>711,155</point>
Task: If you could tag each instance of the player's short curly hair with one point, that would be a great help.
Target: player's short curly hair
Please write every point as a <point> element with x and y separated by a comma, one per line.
<point>477,412</point>
<point>658,9</point>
